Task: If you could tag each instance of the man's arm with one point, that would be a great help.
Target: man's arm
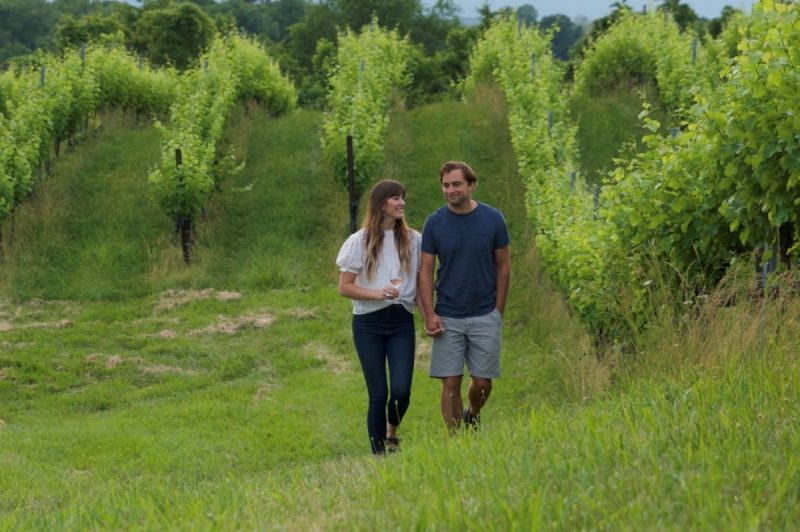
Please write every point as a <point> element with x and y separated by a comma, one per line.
<point>433,325</point>
<point>502,266</point>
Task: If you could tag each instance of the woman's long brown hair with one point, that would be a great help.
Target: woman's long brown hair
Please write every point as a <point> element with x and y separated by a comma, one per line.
<point>373,227</point>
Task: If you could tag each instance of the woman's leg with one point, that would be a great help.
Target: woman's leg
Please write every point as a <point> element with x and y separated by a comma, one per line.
<point>370,345</point>
<point>400,353</point>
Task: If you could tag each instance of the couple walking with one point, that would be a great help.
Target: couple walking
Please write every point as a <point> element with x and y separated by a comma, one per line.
<point>387,268</point>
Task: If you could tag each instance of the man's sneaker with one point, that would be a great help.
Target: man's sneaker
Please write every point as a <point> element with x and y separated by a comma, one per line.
<point>470,420</point>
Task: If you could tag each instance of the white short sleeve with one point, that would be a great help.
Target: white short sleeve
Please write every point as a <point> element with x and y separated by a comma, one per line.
<point>351,254</point>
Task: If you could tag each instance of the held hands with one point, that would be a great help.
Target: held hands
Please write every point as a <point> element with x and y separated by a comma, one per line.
<point>433,325</point>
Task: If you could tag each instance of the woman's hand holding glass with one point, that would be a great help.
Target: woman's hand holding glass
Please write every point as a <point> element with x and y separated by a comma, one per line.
<point>390,292</point>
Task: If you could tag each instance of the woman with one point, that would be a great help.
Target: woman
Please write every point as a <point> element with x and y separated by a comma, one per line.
<point>378,270</point>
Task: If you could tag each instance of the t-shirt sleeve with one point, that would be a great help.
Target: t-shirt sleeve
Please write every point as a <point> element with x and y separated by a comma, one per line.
<point>501,237</point>
<point>416,243</point>
<point>350,258</point>
<point>427,237</point>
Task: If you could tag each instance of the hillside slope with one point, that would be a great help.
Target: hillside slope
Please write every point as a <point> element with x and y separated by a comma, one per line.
<point>128,378</point>
<point>139,393</point>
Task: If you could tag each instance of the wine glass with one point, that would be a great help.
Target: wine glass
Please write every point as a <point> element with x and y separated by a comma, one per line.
<point>396,280</point>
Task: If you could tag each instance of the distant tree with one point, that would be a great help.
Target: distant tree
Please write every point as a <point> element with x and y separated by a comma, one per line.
<point>253,18</point>
<point>683,14</point>
<point>527,15</point>
<point>270,19</point>
<point>71,32</point>
<point>399,14</point>
<point>76,8</point>
<point>285,13</point>
<point>318,22</point>
<point>582,21</point>
<point>716,25</point>
<point>24,26</point>
<point>598,27</point>
<point>566,35</point>
<point>486,15</point>
<point>175,34</point>
<point>431,27</point>
<point>297,52</point>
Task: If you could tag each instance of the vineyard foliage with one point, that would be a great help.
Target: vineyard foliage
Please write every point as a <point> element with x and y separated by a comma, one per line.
<point>574,243</point>
<point>648,48</point>
<point>41,108</point>
<point>725,184</point>
<point>728,183</point>
<point>234,69</point>
<point>52,99</point>
<point>131,84</point>
<point>370,65</point>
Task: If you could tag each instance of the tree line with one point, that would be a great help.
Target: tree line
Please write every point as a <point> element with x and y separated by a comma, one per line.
<point>301,34</point>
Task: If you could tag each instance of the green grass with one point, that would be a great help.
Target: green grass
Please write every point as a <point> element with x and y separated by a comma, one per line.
<point>139,393</point>
<point>608,127</point>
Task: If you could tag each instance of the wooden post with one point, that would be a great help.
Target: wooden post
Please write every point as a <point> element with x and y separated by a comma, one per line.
<point>351,185</point>
<point>183,225</point>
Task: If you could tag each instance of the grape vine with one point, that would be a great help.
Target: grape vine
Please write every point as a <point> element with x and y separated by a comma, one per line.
<point>369,66</point>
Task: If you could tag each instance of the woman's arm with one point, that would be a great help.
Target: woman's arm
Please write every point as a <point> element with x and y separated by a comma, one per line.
<point>348,288</point>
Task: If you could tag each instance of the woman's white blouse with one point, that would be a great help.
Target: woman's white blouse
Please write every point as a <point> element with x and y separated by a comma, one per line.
<point>351,259</point>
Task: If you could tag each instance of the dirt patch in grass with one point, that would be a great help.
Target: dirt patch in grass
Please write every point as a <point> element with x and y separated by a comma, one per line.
<point>14,345</point>
<point>301,314</point>
<point>422,353</point>
<point>34,315</point>
<point>176,298</point>
<point>227,325</point>
<point>267,384</point>
<point>338,364</point>
<point>35,308</point>
<point>113,361</point>
<point>60,324</point>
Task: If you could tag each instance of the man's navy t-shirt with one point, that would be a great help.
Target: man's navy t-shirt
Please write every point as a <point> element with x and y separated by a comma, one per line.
<point>465,245</point>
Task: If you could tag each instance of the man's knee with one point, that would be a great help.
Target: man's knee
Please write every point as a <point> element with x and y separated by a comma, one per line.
<point>452,384</point>
<point>482,384</point>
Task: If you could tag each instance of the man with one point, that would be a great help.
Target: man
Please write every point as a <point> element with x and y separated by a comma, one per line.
<point>470,240</point>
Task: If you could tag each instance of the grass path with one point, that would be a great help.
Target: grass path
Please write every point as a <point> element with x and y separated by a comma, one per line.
<point>137,374</point>
<point>143,394</point>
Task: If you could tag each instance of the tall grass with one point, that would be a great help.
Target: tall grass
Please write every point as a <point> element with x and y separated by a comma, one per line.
<point>226,395</point>
<point>608,124</point>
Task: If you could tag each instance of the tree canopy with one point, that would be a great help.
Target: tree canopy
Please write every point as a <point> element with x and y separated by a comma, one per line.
<point>301,34</point>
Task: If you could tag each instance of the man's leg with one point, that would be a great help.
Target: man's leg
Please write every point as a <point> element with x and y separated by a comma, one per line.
<point>478,393</point>
<point>447,363</point>
<point>451,402</point>
<point>483,360</point>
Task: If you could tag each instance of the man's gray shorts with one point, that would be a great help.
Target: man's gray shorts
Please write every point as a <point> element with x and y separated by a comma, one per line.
<point>474,341</point>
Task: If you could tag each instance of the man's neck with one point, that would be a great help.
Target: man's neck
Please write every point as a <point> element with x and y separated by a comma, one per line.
<point>465,208</point>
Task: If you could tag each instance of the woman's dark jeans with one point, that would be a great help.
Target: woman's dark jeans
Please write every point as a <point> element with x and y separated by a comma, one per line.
<point>386,334</point>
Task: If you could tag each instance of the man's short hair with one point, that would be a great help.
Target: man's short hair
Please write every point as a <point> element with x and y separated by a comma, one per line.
<point>449,166</point>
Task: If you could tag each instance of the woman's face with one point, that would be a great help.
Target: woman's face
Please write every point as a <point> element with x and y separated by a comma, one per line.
<point>393,208</point>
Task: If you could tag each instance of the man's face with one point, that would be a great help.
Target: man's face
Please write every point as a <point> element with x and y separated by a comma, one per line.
<point>455,188</point>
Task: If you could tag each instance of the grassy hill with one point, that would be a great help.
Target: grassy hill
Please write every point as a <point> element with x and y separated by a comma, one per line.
<point>137,392</point>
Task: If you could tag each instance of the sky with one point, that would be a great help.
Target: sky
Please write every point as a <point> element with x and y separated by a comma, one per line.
<point>593,9</point>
